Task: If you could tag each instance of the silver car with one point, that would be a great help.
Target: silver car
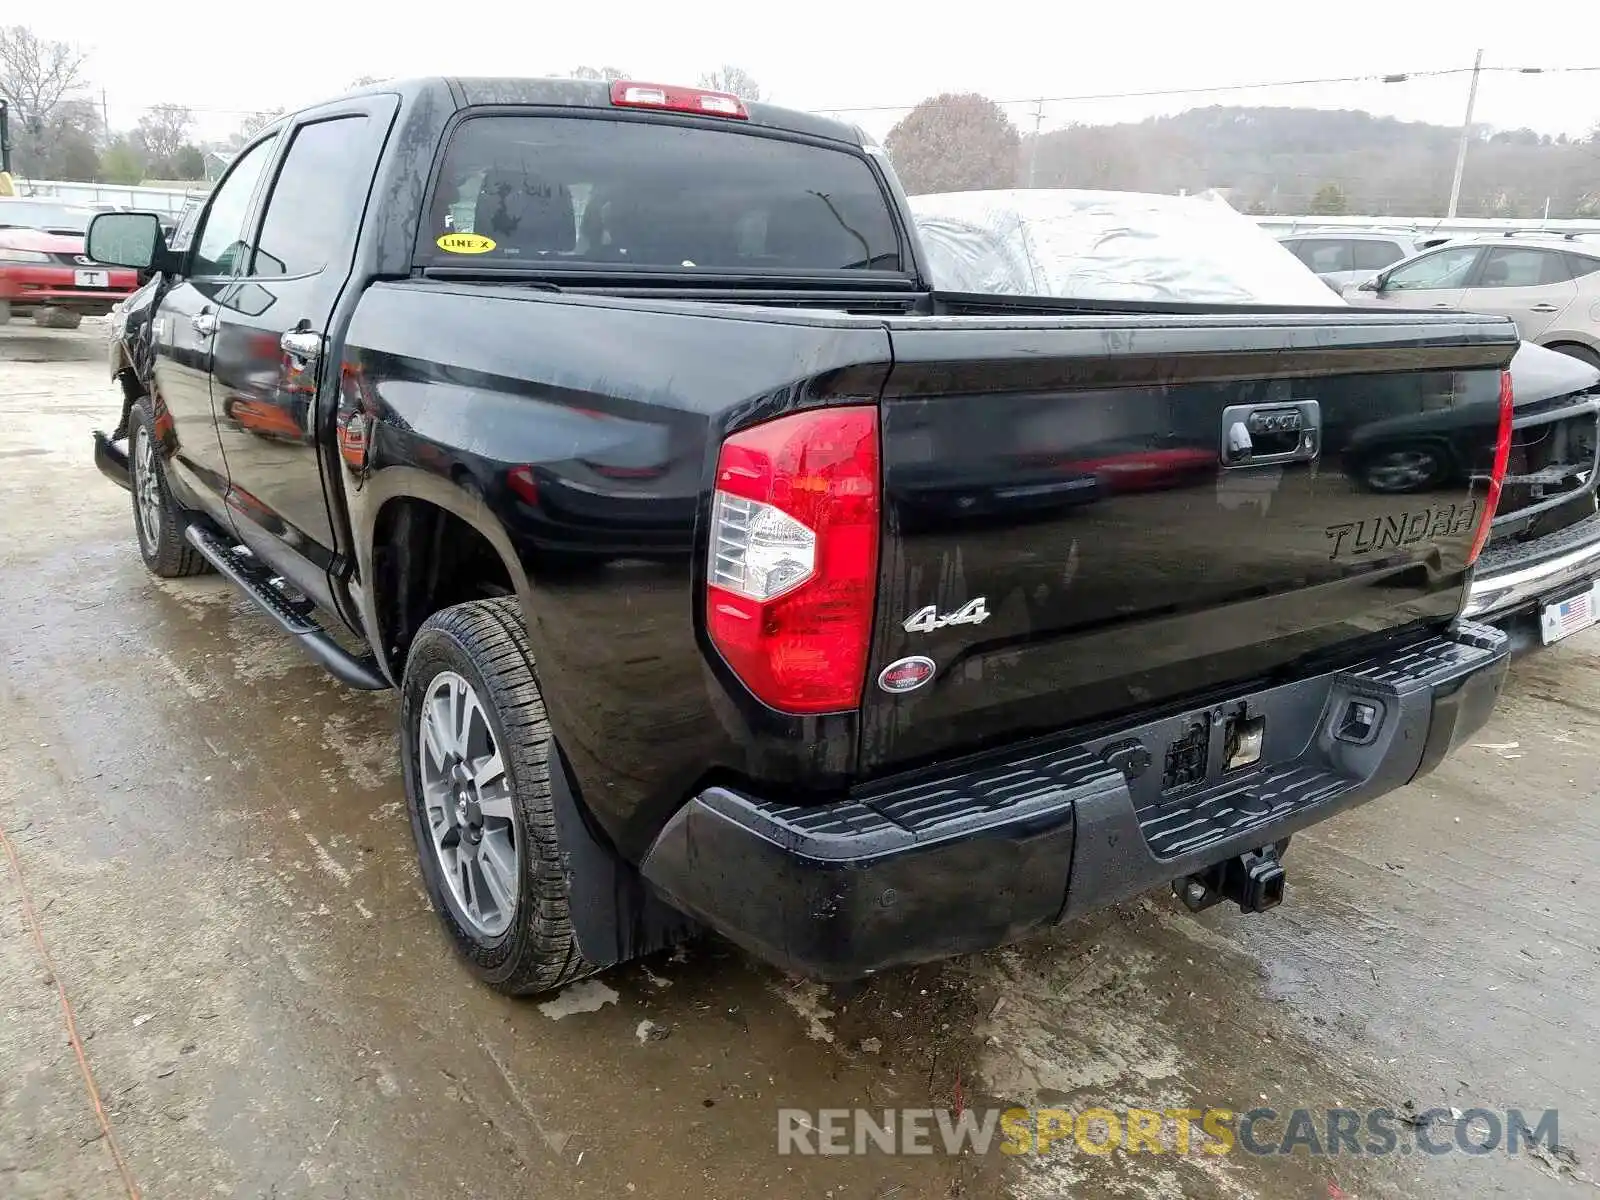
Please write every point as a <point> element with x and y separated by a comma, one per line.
<point>1340,257</point>
<point>1549,284</point>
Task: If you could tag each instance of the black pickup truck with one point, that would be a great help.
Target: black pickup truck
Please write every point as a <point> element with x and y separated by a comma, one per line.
<point>732,576</point>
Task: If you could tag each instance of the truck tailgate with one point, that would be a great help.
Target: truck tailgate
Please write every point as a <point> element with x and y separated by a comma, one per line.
<point>1085,516</point>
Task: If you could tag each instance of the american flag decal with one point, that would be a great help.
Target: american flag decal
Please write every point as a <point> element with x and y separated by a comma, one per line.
<point>1570,616</point>
<point>1575,614</point>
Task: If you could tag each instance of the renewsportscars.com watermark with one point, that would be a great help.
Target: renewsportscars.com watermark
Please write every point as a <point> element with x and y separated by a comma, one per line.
<point>1262,1132</point>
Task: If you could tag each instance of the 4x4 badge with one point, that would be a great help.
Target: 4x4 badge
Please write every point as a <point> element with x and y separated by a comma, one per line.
<point>926,620</point>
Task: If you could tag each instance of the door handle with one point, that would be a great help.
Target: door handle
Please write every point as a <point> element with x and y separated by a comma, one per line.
<point>303,346</point>
<point>1545,308</point>
<point>1258,435</point>
<point>204,322</point>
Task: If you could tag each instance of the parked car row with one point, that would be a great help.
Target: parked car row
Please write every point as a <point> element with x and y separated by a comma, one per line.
<point>1549,284</point>
<point>44,270</point>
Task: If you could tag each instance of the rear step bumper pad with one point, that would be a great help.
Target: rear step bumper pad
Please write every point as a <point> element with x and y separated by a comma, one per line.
<point>961,860</point>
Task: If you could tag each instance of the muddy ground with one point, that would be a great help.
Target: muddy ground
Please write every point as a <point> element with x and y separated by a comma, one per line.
<point>211,835</point>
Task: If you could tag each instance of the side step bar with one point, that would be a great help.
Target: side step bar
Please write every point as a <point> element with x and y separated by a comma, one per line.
<point>249,576</point>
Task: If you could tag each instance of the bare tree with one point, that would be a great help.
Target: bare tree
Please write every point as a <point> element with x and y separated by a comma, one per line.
<point>361,81</point>
<point>734,80</point>
<point>954,143</point>
<point>40,79</point>
<point>604,74</point>
<point>162,132</point>
<point>252,125</point>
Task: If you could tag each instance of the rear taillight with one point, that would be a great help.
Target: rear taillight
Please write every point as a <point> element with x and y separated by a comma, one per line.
<point>793,558</point>
<point>627,94</point>
<point>1497,477</point>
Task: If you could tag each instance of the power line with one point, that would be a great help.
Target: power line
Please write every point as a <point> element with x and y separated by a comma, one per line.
<point>1392,77</point>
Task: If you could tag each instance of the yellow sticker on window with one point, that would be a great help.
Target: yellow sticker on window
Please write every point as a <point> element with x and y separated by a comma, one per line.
<point>465,243</point>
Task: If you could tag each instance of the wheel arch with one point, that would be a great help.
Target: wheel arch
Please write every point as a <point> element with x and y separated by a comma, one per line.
<point>425,543</point>
<point>1558,343</point>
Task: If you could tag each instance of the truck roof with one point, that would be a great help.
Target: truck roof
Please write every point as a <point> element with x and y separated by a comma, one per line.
<point>594,93</point>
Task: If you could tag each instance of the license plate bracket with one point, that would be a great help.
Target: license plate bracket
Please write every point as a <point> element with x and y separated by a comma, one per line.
<point>1572,614</point>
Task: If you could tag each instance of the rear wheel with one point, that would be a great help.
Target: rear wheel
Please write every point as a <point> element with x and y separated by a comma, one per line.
<point>158,519</point>
<point>1581,353</point>
<point>474,745</point>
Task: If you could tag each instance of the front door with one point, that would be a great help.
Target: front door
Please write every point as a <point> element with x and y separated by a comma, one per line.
<point>184,336</point>
<point>273,324</point>
<point>1436,280</point>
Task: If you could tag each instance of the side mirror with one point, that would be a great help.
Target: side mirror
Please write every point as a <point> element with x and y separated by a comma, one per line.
<point>128,239</point>
<point>1375,284</point>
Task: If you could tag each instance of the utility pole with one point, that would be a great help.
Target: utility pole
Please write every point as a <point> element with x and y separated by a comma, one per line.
<point>1033,146</point>
<point>1466,133</point>
<point>105,115</point>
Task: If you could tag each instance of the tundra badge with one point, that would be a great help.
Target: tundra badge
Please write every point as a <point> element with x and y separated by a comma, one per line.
<point>926,620</point>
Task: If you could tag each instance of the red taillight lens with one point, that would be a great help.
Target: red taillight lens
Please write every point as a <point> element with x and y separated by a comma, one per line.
<point>1497,478</point>
<point>627,94</point>
<point>793,559</point>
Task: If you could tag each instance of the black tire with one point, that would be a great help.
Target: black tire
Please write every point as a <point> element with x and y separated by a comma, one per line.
<point>1581,353</point>
<point>166,552</point>
<point>485,643</point>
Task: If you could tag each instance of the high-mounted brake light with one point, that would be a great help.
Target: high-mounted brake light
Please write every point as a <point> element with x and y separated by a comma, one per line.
<point>1497,477</point>
<point>793,557</point>
<point>627,94</point>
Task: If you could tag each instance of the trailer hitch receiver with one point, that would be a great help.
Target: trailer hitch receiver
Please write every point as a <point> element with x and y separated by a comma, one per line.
<point>1253,880</point>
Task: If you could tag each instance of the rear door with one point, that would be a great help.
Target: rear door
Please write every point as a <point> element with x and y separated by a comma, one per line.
<point>1073,531</point>
<point>1531,285</point>
<point>186,325</point>
<point>271,325</point>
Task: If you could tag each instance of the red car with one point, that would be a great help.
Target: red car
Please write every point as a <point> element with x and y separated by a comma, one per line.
<point>49,272</point>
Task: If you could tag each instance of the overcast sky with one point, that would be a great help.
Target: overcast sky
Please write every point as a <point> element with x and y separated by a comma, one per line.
<point>227,58</point>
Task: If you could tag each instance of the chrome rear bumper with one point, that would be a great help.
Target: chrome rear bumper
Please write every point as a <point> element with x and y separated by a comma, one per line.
<point>1522,574</point>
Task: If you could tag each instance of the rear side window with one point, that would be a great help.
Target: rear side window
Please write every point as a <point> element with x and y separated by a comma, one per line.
<point>1376,255</point>
<point>1523,268</point>
<point>315,204</point>
<point>542,192</point>
<point>1328,255</point>
<point>1582,265</point>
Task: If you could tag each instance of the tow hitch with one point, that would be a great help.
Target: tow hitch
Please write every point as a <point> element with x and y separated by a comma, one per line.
<point>1253,880</point>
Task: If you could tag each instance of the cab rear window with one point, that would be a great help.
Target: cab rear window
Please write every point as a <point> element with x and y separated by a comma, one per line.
<point>581,192</point>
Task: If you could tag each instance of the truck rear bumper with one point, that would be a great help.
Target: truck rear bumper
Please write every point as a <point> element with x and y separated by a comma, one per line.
<point>958,860</point>
<point>1522,575</point>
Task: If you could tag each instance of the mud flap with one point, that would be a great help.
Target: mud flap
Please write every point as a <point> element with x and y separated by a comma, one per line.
<point>616,915</point>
